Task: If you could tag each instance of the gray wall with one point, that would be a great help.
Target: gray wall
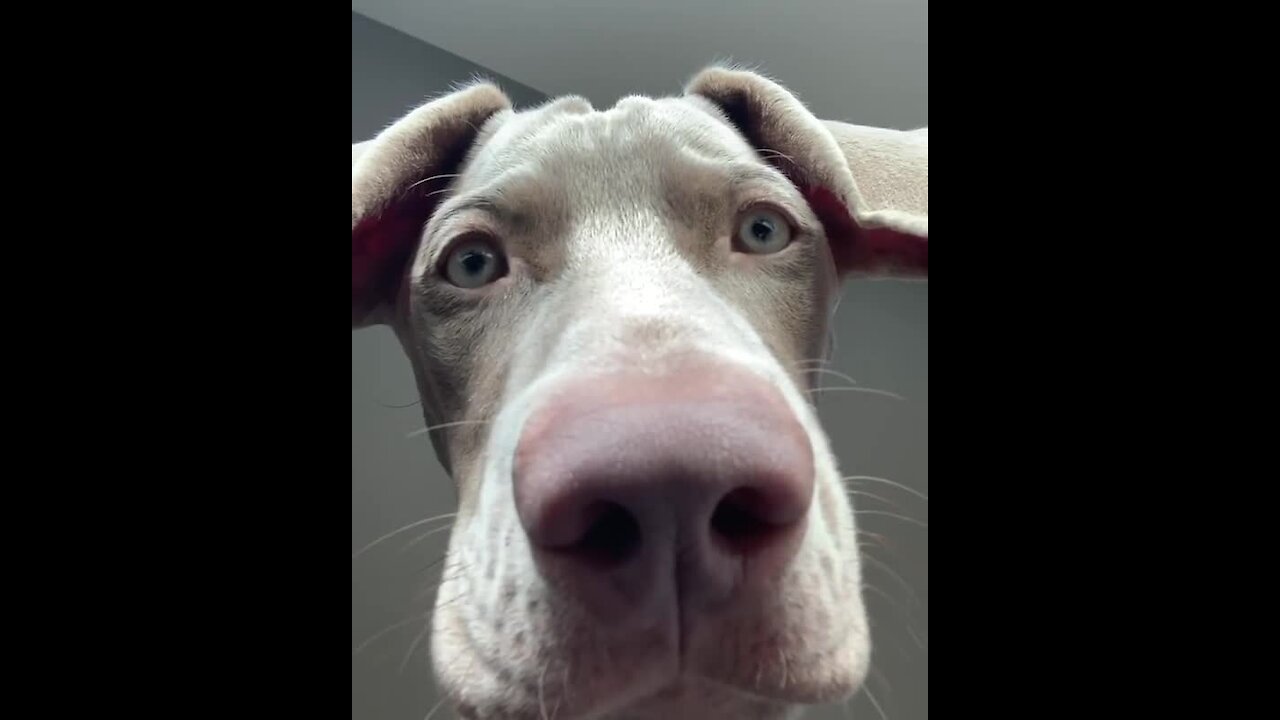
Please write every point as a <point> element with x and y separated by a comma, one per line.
<point>392,73</point>
<point>882,336</point>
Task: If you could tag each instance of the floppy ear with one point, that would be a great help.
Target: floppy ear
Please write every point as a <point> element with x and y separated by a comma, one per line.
<point>868,186</point>
<point>395,184</point>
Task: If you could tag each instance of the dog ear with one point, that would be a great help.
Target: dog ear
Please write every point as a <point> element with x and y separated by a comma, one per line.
<point>868,186</point>
<point>396,180</point>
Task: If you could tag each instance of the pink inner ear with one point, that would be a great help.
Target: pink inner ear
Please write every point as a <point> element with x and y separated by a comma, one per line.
<point>859,249</point>
<point>382,245</point>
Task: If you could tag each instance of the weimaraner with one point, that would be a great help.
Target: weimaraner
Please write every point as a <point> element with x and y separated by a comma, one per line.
<point>610,315</point>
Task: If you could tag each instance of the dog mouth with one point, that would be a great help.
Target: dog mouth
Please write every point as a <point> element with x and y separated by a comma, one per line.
<point>701,697</point>
<point>757,657</point>
<point>643,679</point>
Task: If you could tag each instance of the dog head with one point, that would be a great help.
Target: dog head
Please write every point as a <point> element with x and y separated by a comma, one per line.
<point>610,315</point>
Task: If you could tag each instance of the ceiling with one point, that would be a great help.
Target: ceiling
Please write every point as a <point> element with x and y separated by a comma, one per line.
<point>861,61</point>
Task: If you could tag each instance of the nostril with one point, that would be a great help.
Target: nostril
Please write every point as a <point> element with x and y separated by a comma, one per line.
<point>612,536</point>
<point>740,521</point>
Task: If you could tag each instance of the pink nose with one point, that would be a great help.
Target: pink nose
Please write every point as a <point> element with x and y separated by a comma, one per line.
<point>632,485</point>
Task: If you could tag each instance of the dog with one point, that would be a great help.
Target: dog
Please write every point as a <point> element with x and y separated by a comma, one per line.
<point>609,314</point>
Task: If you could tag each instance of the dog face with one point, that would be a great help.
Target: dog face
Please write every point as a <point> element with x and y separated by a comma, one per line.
<point>609,315</point>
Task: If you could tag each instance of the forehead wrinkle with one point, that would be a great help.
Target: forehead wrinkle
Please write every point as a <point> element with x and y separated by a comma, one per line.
<point>568,132</point>
<point>745,175</point>
<point>485,203</point>
<point>515,197</point>
<point>553,134</point>
<point>695,182</point>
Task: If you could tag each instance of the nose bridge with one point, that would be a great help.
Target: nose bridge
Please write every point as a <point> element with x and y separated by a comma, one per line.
<point>623,256</point>
<point>642,305</point>
<point>617,306</point>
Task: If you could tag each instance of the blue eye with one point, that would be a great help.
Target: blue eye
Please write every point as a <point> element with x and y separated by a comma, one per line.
<point>474,263</point>
<point>762,232</point>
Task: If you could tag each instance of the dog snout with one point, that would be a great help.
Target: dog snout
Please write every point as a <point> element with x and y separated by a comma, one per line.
<point>635,488</point>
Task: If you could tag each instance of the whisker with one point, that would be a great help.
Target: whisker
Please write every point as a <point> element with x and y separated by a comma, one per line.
<point>903,612</point>
<point>881,543</point>
<point>435,562</point>
<point>462,595</point>
<point>875,703</point>
<point>775,154</point>
<point>873,496</point>
<point>911,631</point>
<point>564,687</point>
<point>401,407</point>
<point>893,601</point>
<point>445,577</point>
<point>455,423</point>
<point>428,534</point>
<point>433,710</point>
<point>876,674</point>
<point>433,177</point>
<point>374,638</point>
<point>886,481</point>
<point>452,570</point>
<point>911,593</point>
<point>881,540</point>
<point>886,513</point>
<point>870,391</point>
<point>555,711</point>
<point>454,577</point>
<point>426,626</point>
<point>786,669</point>
<point>827,371</point>
<point>542,699</point>
<point>889,643</point>
<point>397,531</point>
<point>831,324</point>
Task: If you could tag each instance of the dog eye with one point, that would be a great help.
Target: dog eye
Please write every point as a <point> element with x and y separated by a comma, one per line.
<point>762,232</point>
<point>474,263</point>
